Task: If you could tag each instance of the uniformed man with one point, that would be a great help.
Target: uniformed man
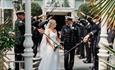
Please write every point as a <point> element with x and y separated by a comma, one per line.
<point>69,35</point>
<point>19,31</point>
<point>94,39</point>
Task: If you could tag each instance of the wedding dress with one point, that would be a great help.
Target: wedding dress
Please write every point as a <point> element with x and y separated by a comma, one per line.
<point>50,58</point>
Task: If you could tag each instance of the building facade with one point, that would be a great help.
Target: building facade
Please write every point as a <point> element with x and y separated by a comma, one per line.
<point>4,5</point>
<point>58,7</point>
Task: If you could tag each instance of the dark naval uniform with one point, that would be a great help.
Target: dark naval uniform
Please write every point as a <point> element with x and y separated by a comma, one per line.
<point>70,37</point>
<point>19,39</point>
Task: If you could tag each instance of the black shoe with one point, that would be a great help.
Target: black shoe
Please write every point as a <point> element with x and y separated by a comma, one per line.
<point>94,68</point>
<point>86,61</point>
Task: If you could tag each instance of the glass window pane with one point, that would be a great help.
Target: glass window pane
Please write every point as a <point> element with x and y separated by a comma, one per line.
<point>0,4</point>
<point>59,3</point>
<point>7,4</point>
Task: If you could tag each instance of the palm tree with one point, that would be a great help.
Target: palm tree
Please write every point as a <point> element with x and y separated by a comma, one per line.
<point>6,41</point>
<point>104,8</point>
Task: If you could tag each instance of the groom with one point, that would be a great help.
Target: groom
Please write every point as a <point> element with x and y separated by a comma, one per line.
<point>69,35</point>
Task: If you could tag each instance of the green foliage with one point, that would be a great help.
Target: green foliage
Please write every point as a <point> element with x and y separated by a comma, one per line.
<point>7,13</point>
<point>85,8</point>
<point>105,9</point>
<point>35,9</point>
<point>110,49</point>
<point>6,38</point>
<point>109,64</point>
<point>3,61</point>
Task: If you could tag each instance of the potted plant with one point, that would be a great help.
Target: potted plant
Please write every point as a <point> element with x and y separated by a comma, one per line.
<point>85,7</point>
<point>6,41</point>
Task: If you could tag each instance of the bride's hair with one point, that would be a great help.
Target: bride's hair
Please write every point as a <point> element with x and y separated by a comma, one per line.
<point>51,23</point>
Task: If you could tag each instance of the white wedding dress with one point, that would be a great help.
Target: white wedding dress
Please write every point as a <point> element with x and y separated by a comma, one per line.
<point>50,59</point>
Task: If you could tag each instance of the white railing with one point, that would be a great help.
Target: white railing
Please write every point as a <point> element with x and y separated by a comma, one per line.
<point>11,63</point>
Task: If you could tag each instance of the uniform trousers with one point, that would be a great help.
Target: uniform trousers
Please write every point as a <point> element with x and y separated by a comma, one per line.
<point>69,57</point>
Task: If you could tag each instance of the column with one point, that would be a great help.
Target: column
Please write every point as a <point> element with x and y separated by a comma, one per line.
<point>103,55</point>
<point>28,52</point>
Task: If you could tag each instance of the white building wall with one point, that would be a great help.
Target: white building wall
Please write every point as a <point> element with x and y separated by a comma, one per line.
<point>6,4</point>
<point>0,16</point>
<point>57,7</point>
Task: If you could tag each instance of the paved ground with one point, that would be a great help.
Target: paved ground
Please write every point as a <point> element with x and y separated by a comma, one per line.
<point>78,64</point>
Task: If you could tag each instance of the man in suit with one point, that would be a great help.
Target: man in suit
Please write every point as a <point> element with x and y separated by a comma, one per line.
<point>69,35</point>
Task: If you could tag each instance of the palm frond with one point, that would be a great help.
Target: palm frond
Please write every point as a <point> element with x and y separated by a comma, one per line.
<point>3,62</point>
<point>110,49</point>
<point>109,64</point>
<point>105,8</point>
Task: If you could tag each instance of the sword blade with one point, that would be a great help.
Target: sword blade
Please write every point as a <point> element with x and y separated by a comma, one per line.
<point>73,47</point>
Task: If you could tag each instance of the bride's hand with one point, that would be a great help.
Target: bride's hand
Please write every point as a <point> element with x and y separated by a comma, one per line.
<point>56,47</point>
<point>53,46</point>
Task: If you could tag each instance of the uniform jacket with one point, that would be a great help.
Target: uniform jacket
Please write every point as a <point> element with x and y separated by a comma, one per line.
<point>69,35</point>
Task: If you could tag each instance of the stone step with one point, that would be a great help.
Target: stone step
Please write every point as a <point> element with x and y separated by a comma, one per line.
<point>36,62</point>
<point>37,59</point>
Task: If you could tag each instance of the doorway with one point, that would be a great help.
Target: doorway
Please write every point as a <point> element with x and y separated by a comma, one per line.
<point>60,19</point>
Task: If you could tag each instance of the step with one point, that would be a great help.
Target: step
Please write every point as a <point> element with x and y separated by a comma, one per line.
<point>37,59</point>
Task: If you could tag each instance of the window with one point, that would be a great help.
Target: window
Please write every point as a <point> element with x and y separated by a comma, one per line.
<point>59,3</point>
<point>38,0</point>
<point>0,3</point>
<point>6,4</point>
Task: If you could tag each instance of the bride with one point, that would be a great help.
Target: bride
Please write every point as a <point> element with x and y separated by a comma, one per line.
<point>50,58</point>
